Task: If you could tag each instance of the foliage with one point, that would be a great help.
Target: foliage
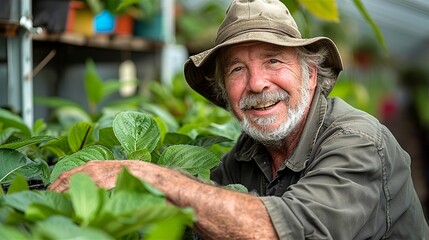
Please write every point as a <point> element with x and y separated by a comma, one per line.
<point>136,135</point>
<point>172,127</point>
<point>135,8</point>
<point>197,27</point>
<point>132,210</point>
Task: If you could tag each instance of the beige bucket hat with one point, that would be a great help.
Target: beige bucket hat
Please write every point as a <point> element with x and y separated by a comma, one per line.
<point>254,20</point>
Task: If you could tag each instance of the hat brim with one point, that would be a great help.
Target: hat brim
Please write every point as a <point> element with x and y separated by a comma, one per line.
<point>199,66</point>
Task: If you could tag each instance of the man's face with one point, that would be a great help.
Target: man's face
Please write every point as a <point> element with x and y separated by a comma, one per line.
<point>266,90</point>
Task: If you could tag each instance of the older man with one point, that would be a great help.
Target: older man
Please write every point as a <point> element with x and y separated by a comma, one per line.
<point>317,167</point>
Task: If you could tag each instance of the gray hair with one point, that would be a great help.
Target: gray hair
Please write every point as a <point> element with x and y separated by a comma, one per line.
<point>325,76</point>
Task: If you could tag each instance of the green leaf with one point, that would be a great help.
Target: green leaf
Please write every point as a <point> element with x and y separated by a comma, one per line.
<point>7,232</point>
<point>136,131</point>
<point>11,161</point>
<point>107,137</point>
<point>68,116</point>
<point>56,102</point>
<point>18,184</point>
<point>209,140</point>
<point>143,155</point>
<point>58,147</point>
<point>371,22</point>
<point>12,120</point>
<point>324,9</point>
<point>237,188</point>
<point>27,202</point>
<point>176,138</point>
<point>93,84</point>
<point>79,135</point>
<point>58,227</point>
<point>176,226</point>
<point>22,200</point>
<point>7,133</point>
<point>128,182</point>
<point>39,126</point>
<point>193,159</point>
<point>54,204</point>
<point>26,142</point>
<point>160,112</point>
<point>76,159</point>
<point>86,197</point>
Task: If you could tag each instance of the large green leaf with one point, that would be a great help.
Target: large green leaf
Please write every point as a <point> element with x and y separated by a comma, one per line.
<point>193,159</point>
<point>58,227</point>
<point>26,142</point>
<point>325,9</point>
<point>86,198</point>
<point>79,135</point>
<point>136,131</point>
<point>9,119</point>
<point>11,161</point>
<point>76,159</point>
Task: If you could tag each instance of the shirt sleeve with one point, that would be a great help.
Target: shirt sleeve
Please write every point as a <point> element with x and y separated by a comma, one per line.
<point>338,195</point>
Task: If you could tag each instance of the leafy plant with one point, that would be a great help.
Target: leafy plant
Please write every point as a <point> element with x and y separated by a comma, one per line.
<point>132,209</point>
<point>136,8</point>
<point>172,127</point>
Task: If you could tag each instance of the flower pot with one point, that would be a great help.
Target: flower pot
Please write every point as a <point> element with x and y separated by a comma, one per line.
<point>79,19</point>
<point>124,25</point>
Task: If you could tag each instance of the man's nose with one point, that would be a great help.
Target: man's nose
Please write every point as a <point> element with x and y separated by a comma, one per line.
<point>257,81</point>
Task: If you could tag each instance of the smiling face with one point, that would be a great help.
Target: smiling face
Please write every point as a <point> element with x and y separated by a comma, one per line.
<point>267,90</point>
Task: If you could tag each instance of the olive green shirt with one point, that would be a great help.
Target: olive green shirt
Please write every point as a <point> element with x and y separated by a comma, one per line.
<point>348,178</point>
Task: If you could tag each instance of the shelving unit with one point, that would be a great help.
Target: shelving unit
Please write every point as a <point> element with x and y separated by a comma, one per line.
<point>124,43</point>
<point>20,34</point>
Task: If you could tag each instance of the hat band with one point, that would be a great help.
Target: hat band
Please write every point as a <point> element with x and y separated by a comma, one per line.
<point>260,25</point>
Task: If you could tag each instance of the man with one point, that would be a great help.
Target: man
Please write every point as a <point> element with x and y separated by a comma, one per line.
<point>317,168</point>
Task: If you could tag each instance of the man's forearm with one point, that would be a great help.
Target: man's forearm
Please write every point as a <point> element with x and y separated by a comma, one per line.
<point>230,215</point>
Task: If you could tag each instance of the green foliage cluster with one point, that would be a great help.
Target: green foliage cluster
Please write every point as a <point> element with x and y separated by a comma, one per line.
<point>171,127</point>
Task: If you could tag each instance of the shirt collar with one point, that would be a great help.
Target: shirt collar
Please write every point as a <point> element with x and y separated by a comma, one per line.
<point>314,122</point>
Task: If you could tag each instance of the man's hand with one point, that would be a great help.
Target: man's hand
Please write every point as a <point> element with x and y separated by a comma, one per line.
<point>104,173</point>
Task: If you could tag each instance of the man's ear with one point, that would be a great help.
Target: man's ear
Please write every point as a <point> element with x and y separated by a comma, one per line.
<point>313,77</point>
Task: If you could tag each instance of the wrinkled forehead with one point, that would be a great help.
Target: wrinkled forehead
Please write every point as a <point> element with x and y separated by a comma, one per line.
<point>228,51</point>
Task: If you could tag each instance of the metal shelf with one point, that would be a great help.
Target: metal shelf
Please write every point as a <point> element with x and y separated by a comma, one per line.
<point>127,43</point>
<point>20,34</point>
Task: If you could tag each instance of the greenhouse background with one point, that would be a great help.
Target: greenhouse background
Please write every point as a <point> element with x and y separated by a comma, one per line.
<point>46,56</point>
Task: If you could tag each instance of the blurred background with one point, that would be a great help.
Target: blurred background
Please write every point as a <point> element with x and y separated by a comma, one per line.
<point>49,48</point>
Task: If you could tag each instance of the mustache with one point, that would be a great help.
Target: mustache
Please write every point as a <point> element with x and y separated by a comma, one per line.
<point>255,99</point>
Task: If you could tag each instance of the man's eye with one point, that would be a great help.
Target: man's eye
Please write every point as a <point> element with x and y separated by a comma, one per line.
<point>237,69</point>
<point>273,61</point>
